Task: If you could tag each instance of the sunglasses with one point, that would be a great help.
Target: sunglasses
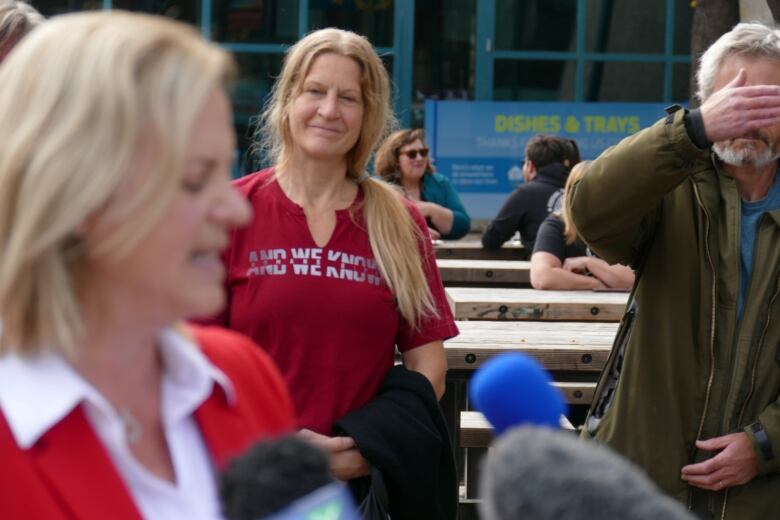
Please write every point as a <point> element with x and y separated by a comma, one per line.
<point>412,154</point>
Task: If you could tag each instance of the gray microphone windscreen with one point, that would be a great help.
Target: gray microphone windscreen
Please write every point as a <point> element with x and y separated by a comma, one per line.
<point>538,473</point>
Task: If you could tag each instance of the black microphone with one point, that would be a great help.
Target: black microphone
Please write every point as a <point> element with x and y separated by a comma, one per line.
<point>546,474</point>
<point>284,479</point>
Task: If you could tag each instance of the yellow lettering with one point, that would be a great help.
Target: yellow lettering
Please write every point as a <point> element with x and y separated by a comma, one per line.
<point>633,125</point>
<point>612,124</point>
<point>572,125</point>
<point>555,124</point>
<point>588,123</point>
<point>519,125</point>
<point>501,124</point>
<point>600,124</point>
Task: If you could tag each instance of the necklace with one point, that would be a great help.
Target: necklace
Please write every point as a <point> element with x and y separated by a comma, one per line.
<point>133,429</point>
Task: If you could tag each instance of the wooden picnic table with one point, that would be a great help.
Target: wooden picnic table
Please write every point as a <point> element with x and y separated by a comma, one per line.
<point>471,249</point>
<point>562,346</point>
<point>573,352</point>
<point>478,303</point>
<point>485,272</point>
<point>476,431</point>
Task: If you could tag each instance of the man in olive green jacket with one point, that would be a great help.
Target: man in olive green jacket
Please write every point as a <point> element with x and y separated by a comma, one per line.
<point>694,398</point>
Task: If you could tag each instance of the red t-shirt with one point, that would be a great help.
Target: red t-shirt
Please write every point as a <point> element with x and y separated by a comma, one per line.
<point>325,315</point>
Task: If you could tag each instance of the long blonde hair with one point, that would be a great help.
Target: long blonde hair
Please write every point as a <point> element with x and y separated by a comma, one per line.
<point>393,234</point>
<point>569,229</point>
<point>82,96</point>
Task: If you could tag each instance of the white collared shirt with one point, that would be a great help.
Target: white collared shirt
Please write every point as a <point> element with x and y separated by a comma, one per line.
<point>37,393</point>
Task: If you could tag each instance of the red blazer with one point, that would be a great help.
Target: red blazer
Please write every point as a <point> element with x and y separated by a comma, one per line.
<point>68,474</point>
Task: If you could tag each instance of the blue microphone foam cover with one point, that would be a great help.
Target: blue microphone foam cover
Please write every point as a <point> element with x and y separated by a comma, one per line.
<point>514,389</point>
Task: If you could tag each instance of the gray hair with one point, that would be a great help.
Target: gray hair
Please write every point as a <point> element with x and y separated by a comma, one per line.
<point>16,20</point>
<point>745,39</point>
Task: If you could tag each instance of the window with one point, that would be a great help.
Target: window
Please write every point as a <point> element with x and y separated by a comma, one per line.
<point>583,50</point>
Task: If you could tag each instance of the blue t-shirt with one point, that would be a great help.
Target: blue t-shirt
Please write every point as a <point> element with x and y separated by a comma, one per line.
<point>751,214</point>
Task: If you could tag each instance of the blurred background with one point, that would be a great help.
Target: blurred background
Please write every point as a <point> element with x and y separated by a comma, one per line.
<point>518,50</point>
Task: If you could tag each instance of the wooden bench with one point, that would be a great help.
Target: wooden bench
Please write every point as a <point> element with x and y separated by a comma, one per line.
<point>476,431</point>
<point>471,249</point>
<point>485,272</point>
<point>562,346</point>
<point>573,352</point>
<point>477,303</point>
<point>564,330</point>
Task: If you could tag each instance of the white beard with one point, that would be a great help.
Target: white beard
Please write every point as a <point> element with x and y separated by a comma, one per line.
<point>744,156</point>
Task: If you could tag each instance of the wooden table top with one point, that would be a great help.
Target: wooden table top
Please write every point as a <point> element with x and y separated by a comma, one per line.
<point>476,431</point>
<point>494,303</point>
<point>471,249</point>
<point>568,346</point>
<point>484,272</point>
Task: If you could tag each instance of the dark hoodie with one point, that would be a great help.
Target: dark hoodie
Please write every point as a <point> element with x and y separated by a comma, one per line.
<point>527,207</point>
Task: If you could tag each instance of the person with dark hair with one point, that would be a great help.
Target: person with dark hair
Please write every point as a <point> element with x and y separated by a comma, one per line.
<point>403,160</point>
<point>548,160</point>
<point>571,152</point>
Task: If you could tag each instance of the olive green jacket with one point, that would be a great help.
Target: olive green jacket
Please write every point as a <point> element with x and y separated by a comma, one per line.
<point>690,370</point>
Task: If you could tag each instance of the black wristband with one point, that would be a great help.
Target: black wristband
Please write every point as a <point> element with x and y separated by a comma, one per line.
<point>694,126</point>
<point>764,445</point>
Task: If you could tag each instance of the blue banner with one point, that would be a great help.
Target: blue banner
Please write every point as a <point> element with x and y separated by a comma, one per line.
<point>480,145</point>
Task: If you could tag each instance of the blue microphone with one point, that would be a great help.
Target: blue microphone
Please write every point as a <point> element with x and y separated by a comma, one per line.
<point>514,389</point>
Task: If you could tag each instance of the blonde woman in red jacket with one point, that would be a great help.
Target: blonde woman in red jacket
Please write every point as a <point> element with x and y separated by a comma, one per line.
<point>115,201</point>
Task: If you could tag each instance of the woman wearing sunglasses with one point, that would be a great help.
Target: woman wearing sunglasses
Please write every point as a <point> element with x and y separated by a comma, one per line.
<point>403,160</point>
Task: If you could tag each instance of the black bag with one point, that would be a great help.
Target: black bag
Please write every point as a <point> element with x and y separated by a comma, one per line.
<point>375,505</point>
<point>608,381</point>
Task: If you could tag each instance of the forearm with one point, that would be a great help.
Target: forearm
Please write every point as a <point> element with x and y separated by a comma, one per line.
<point>557,278</point>
<point>441,217</point>
<point>614,204</point>
<point>496,233</point>
<point>613,276</point>
<point>461,224</point>
<point>461,221</point>
<point>430,361</point>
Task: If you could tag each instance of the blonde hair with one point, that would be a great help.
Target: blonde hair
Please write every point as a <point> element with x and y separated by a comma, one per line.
<point>386,163</point>
<point>16,20</point>
<point>577,172</point>
<point>393,234</point>
<point>82,97</point>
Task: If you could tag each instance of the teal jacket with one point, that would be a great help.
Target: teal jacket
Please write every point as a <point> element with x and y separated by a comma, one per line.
<point>437,188</point>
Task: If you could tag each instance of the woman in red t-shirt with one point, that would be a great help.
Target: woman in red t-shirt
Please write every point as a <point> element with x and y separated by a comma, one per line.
<point>335,270</point>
